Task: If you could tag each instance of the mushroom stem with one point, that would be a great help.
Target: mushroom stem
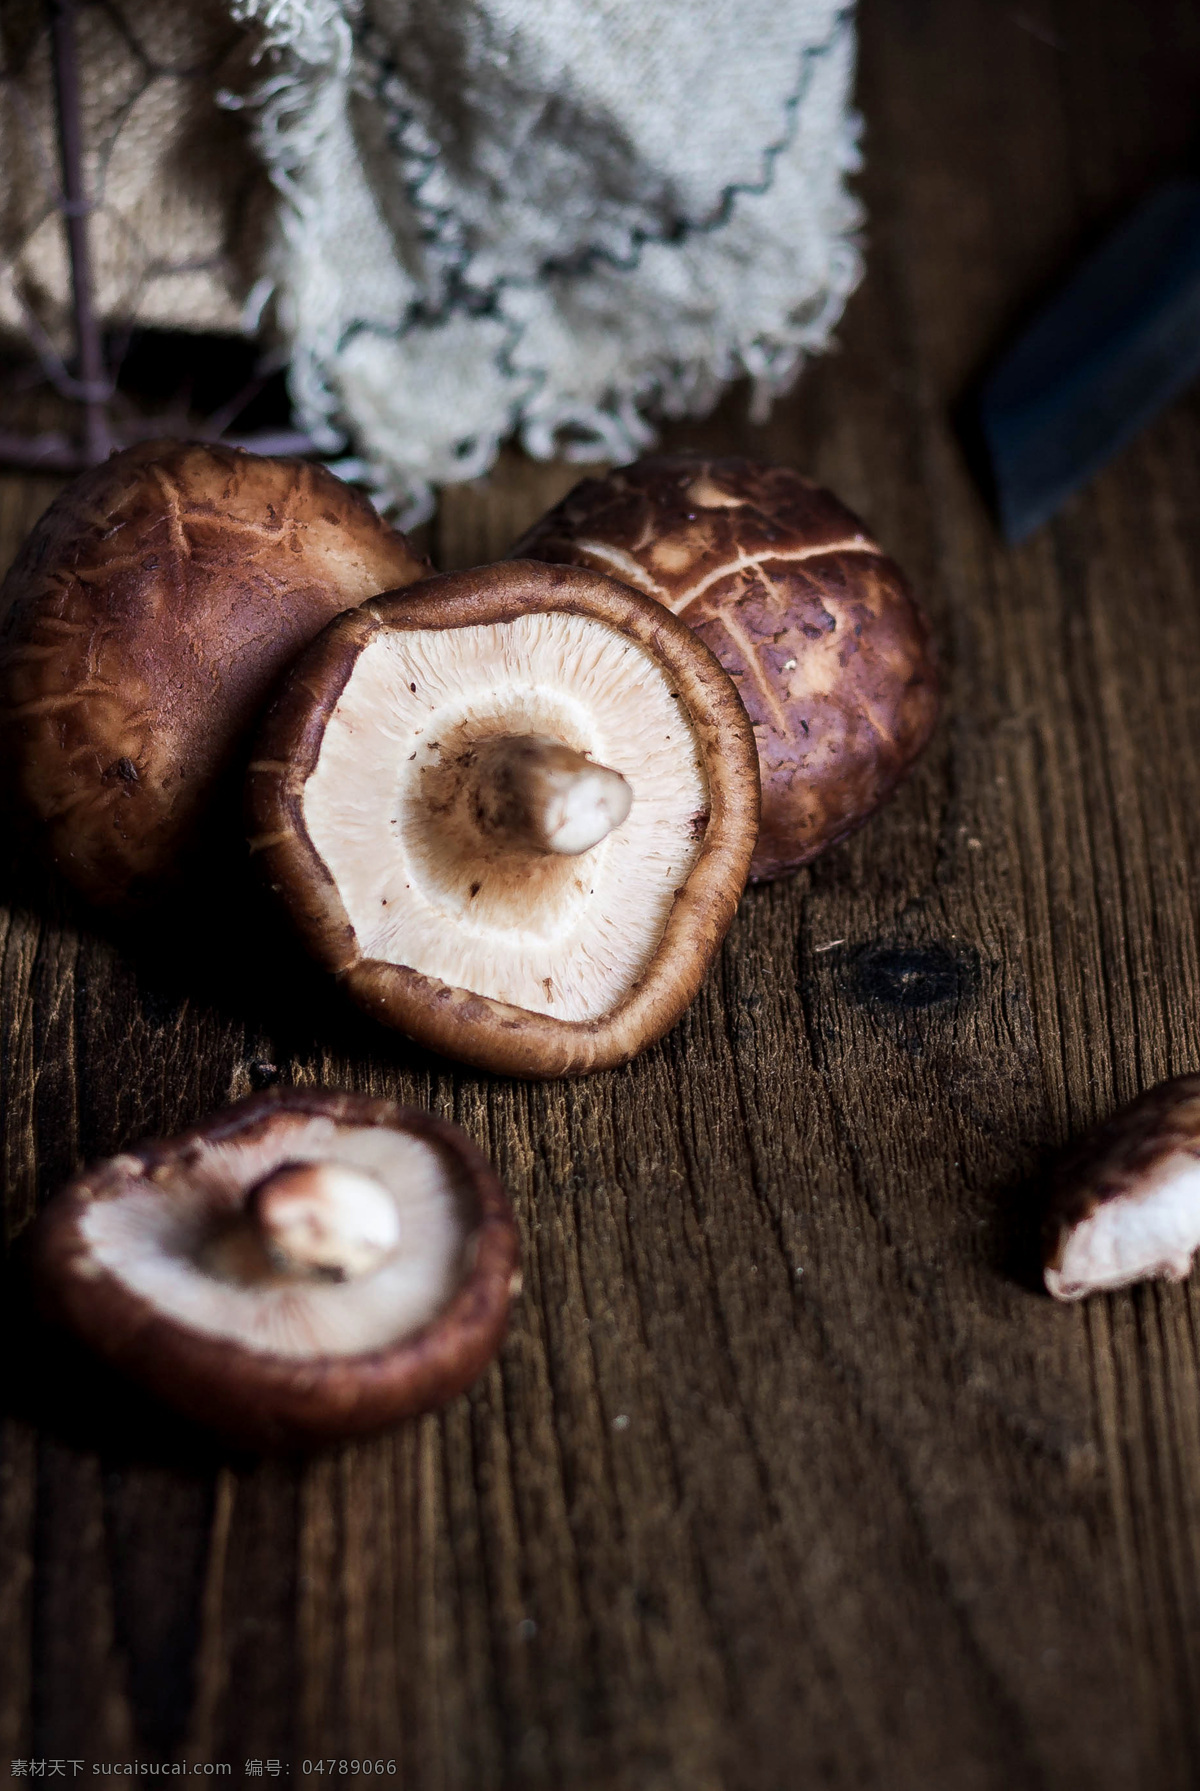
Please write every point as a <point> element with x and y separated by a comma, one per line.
<point>538,794</point>
<point>325,1220</point>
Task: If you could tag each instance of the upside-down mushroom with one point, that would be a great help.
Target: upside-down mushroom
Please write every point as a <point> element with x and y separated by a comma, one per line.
<point>813,622</point>
<point>145,620</point>
<point>1126,1202</point>
<point>306,1266</point>
<point>513,811</point>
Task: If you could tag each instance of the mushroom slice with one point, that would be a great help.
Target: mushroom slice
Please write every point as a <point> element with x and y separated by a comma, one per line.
<point>1126,1205</point>
<point>145,620</point>
<point>513,809</point>
<point>305,1266</point>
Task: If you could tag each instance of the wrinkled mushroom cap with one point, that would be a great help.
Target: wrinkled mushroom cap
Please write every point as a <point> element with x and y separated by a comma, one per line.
<point>521,961</point>
<point>155,1259</point>
<point>1126,1202</point>
<point>144,622</point>
<point>813,622</point>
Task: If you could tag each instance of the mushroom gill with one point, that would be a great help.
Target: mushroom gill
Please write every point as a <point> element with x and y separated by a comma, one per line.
<point>190,1244</point>
<point>392,808</point>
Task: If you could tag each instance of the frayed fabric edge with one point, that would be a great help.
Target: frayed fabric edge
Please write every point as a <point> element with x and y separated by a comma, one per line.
<point>292,108</point>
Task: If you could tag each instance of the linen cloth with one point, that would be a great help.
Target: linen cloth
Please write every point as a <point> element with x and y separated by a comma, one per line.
<point>557,216</point>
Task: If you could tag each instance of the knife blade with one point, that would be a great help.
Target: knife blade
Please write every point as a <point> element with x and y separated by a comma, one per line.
<point>1118,341</point>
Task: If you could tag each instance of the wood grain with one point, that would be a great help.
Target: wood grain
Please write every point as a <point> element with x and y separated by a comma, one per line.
<point>787,1475</point>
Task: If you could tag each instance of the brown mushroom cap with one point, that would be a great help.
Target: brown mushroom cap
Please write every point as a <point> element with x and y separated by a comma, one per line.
<point>144,622</point>
<point>1126,1202</point>
<point>362,806</point>
<point>152,1259</point>
<point>816,626</point>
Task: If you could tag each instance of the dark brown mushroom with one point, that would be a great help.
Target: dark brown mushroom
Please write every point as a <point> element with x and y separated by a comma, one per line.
<point>304,1267</point>
<point>814,623</point>
<point>513,811</point>
<point>1125,1206</point>
<point>144,622</point>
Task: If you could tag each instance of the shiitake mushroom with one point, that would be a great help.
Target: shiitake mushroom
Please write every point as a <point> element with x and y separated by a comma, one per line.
<point>305,1266</point>
<point>1125,1201</point>
<point>145,620</point>
<point>512,810</point>
<point>816,626</point>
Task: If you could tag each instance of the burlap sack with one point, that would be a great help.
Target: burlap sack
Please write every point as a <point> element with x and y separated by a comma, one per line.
<point>180,198</point>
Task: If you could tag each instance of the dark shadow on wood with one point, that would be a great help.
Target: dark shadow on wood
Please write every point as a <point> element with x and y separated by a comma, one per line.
<point>49,1378</point>
<point>224,944</point>
<point>1015,1235</point>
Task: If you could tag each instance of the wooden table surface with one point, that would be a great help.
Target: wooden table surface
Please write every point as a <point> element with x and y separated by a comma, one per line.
<point>787,1475</point>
